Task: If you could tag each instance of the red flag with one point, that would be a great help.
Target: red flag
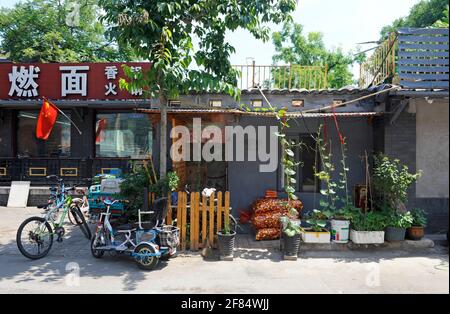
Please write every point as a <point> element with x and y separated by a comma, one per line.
<point>46,120</point>
<point>100,127</point>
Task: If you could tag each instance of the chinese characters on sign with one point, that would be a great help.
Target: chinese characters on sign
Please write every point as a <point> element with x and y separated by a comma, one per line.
<point>111,74</point>
<point>87,80</point>
<point>74,82</point>
<point>137,92</point>
<point>23,82</point>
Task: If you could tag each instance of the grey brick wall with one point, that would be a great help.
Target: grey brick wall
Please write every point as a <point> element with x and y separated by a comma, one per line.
<point>400,142</point>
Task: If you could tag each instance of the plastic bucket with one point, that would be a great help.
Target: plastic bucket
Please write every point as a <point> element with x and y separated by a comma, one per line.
<point>340,231</point>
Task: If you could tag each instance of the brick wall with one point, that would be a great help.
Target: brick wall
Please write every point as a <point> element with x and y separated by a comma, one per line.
<point>400,142</point>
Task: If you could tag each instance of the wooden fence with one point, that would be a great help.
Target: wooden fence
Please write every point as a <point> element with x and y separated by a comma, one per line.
<point>413,57</point>
<point>199,218</point>
<point>423,58</point>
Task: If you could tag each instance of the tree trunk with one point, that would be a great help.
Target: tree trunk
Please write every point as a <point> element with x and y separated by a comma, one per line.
<point>163,138</point>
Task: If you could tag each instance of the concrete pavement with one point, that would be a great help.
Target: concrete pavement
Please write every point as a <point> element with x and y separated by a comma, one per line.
<point>69,268</point>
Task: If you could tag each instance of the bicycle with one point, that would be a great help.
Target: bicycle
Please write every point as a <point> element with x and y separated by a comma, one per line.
<point>35,235</point>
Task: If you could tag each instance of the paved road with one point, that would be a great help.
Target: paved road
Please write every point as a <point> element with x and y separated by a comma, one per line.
<point>253,271</point>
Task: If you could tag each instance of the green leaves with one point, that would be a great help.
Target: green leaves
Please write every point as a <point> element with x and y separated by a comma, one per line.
<point>289,172</point>
<point>166,39</point>
<point>425,13</point>
<point>392,180</point>
<point>42,31</point>
<point>317,220</point>
<point>290,227</point>
<point>292,46</point>
<point>371,221</point>
<point>419,217</point>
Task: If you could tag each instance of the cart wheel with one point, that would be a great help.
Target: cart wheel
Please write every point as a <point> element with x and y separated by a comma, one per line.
<point>147,262</point>
<point>94,243</point>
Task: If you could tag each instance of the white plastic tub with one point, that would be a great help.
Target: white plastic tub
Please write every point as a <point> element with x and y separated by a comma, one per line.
<point>309,236</point>
<point>367,237</point>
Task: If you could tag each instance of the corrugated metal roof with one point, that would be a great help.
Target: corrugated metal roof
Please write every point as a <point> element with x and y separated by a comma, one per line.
<point>261,114</point>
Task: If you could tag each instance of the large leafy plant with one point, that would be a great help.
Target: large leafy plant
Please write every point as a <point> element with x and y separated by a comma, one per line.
<point>391,181</point>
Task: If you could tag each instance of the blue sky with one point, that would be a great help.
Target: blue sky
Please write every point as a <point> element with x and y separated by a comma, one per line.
<point>343,23</point>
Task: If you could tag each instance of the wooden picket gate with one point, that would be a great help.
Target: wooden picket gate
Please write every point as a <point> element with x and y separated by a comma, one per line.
<point>199,218</point>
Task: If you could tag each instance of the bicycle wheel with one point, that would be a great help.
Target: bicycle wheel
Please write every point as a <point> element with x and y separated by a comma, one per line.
<point>81,221</point>
<point>72,217</point>
<point>34,238</point>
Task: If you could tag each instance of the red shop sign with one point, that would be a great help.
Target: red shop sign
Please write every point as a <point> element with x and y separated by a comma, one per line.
<point>66,80</point>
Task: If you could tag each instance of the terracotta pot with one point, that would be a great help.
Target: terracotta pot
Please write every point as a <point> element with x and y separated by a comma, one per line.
<point>415,233</point>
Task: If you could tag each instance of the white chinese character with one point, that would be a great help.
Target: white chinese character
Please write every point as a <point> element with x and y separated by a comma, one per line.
<point>110,89</point>
<point>136,70</point>
<point>22,81</point>
<point>74,83</point>
<point>136,92</point>
<point>111,72</point>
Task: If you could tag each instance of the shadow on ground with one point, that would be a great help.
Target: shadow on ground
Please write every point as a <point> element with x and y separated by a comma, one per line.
<point>74,251</point>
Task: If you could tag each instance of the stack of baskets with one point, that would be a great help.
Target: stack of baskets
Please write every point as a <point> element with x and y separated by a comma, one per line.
<point>266,216</point>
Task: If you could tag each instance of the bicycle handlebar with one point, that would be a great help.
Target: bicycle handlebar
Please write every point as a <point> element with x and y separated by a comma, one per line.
<point>54,177</point>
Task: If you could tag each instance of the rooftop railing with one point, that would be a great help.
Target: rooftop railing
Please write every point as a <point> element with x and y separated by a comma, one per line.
<point>282,76</point>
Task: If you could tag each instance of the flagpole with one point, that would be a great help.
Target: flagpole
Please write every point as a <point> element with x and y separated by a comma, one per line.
<point>61,112</point>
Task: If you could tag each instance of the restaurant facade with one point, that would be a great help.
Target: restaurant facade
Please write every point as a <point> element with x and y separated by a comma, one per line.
<point>118,127</point>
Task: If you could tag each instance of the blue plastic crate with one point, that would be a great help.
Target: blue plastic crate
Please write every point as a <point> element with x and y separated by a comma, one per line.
<point>96,204</point>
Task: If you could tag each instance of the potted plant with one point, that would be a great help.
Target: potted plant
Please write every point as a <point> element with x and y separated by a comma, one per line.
<point>340,224</point>
<point>291,235</point>
<point>417,231</point>
<point>367,228</point>
<point>316,233</point>
<point>225,240</point>
<point>396,225</point>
